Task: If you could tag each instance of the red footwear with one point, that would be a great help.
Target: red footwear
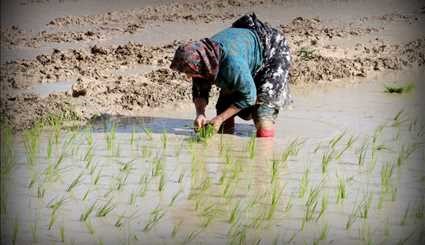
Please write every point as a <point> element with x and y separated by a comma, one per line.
<point>265,132</point>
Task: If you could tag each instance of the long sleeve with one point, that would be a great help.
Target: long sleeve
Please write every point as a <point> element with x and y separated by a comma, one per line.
<point>201,88</point>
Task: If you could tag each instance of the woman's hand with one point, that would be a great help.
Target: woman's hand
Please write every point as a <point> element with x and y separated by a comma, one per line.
<point>216,122</point>
<point>199,121</point>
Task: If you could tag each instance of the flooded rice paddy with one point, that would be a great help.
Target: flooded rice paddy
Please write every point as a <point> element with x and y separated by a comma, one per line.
<point>346,167</point>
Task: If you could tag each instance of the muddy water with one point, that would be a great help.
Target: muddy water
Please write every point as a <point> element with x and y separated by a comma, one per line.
<point>165,188</point>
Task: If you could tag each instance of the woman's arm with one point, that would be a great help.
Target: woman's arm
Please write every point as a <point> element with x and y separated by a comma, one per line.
<point>226,114</point>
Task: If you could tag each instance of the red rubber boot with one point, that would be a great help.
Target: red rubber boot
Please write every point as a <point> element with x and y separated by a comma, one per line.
<point>263,132</point>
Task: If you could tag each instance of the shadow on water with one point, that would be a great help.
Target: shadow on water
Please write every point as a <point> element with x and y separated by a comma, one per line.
<point>177,126</point>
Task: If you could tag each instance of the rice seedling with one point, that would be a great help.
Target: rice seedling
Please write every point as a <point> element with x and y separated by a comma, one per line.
<point>15,231</point>
<point>420,210</point>
<point>143,185</point>
<point>234,213</point>
<point>326,159</point>
<point>132,199</point>
<point>406,152</point>
<point>75,182</point>
<point>304,183</point>
<point>292,237</point>
<point>275,200</point>
<point>86,194</point>
<point>110,138</point>
<point>97,177</point>
<point>173,199</point>
<point>336,139</point>
<point>204,133</point>
<point>158,166</point>
<point>86,213</point>
<point>164,139</point>
<point>62,233</point>
<point>386,173</point>
<point>347,146</point>
<point>148,133</point>
<point>362,154</point>
<point>405,215</point>
<point>292,149</point>
<point>121,181</point>
<point>119,221</point>
<point>52,220</point>
<point>133,135</point>
<point>162,182</point>
<point>176,228</point>
<point>288,205</point>
<point>105,209</point>
<point>191,236</point>
<point>364,206</point>
<point>251,146</point>
<point>34,228</point>
<point>89,227</point>
<point>31,143</point>
<point>49,148</point>
<point>311,204</point>
<point>365,234</point>
<point>40,191</point>
<point>341,190</point>
<point>323,206</point>
<point>399,89</point>
<point>352,218</point>
<point>324,233</point>
<point>55,205</point>
<point>238,234</point>
<point>154,217</point>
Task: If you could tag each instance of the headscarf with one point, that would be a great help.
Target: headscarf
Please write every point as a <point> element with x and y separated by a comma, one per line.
<point>199,57</point>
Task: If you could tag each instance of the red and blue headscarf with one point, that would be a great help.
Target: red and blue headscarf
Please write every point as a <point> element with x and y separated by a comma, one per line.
<point>199,57</point>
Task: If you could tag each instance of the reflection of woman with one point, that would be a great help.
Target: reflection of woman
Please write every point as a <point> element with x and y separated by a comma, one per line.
<point>250,63</point>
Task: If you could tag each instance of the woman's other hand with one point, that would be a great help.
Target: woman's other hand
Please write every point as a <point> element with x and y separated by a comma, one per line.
<point>216,122</point>
<point>199,121</point>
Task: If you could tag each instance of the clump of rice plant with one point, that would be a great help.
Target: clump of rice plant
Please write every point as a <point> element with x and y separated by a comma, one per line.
<point>341,190</point>
<point>84,216</point>
<point>304,183</point>
<point>399,89</point>
<point>336,139</point>
<point>75,182</point>
<point>176,228</point>
<point>205,133</point>
<point>347,146</point>
<point>31,143</point>
<point>154,217</point>
<point>251,146</point>
<point>105,209</point>
<point>110,138</point>
<point>323,206</point>
<point>164,139</point>
<point>275,200</point>
<point>292,149</point>
<point>148,133</point>
<point>326,159</point>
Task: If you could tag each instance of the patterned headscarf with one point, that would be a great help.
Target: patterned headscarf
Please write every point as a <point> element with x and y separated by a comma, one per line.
<point>198,57</point>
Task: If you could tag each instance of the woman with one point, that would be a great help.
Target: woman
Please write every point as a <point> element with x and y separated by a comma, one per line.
<point>249,62</point>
